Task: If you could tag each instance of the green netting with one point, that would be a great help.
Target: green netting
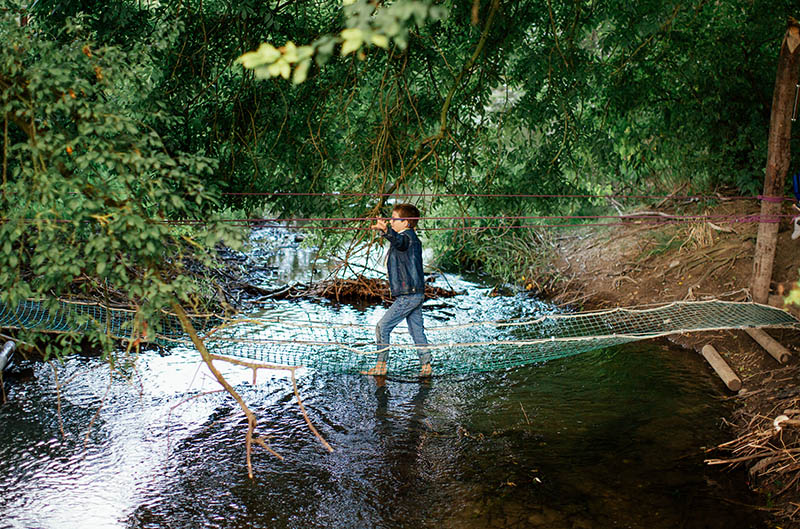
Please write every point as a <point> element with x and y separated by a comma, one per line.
<point>70,316</point>
<point>465,348</point>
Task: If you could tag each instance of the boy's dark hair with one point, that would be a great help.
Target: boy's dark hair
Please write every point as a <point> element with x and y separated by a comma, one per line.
<point>409,212</point>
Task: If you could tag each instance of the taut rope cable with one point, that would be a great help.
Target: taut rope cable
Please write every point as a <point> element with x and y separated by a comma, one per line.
<point>632,216</point>
<point>624,220</point>
<point>634,219</point>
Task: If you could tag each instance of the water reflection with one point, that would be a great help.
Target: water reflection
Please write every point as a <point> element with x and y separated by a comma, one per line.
<point>607,438</point>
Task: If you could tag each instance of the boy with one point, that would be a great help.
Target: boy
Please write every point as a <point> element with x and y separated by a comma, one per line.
<point>407,284</point>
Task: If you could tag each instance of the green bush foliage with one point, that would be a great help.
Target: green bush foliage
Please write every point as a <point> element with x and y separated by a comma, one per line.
<point>89,186</point>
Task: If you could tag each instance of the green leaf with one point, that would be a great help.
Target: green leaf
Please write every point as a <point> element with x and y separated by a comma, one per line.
<point>301,72</point>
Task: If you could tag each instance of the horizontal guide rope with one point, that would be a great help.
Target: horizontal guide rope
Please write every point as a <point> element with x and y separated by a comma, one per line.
<point>336,194</point>
<point>631,216</point>
<point>346,194</point>
<point>623,220</point>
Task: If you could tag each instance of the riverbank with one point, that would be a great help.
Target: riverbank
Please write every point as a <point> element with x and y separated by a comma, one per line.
<point>640,262</point>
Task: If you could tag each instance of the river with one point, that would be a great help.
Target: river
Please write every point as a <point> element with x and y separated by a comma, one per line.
<point>610,438</point>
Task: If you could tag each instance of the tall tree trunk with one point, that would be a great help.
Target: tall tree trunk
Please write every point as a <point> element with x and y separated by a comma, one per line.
<point>778,157</point>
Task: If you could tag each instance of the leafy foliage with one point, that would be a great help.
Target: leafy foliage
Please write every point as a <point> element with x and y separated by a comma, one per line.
<point>367,25</point>
<point>88,185</point>
<point>794,295</point>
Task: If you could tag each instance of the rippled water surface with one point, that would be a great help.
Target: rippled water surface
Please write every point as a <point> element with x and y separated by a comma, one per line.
<point>610,438</point>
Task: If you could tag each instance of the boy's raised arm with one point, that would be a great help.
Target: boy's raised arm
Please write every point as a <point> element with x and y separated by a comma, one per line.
<point>399,241</point>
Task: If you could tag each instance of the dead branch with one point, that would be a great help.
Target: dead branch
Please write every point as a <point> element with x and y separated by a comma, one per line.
<point>206,356</point>
<point>99,408</point>
<point>357,288</point>
<point>305,416</point>
<point>58,401</point>
<point>255,366</point>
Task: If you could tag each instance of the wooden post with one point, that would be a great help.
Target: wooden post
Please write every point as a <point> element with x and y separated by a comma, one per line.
<point>778,157</point>
<point>6,353</point>
<point>775,349</point>
<point>722,369</point>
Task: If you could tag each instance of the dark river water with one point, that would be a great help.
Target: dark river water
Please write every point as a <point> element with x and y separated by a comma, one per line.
<point>611,438</point>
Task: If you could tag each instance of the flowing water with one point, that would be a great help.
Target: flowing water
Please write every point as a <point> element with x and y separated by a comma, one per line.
<point>611,438</point>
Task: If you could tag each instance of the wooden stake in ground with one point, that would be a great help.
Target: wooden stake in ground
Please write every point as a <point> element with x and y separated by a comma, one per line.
<point>778,157</point>
<point>721,367</point>
<point>776,350</point>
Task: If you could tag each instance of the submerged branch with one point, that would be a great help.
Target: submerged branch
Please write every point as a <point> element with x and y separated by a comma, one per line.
<point>255,366</point>
<point>207,358</point>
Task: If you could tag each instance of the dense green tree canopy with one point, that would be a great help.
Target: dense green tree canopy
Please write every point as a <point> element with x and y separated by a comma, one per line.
<point>563,95</point>
<point>88,182</point>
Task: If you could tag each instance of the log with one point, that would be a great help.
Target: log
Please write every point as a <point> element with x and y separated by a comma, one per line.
<point>5,358</point>
<point>776,350</point>
<point>5,354</point>
<point>722,369</point>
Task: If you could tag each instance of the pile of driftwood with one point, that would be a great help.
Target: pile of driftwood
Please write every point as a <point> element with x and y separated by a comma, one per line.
<point>359,288</point>
<point>769,444</point>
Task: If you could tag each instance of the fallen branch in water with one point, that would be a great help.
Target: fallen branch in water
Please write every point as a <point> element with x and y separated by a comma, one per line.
<point>99,408</point>
<point>769,446</point>
<point>255,366</point>
<point>252,421</point>
<point>207,358</point>
<point>58,401</point>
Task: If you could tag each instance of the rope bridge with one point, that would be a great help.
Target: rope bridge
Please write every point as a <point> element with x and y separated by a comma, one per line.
<point>456,349</point>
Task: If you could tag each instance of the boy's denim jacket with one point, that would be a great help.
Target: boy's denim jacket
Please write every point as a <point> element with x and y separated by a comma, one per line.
<point>404,263</point>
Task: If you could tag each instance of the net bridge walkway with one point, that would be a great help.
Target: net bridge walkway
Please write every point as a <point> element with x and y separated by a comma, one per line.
<point>456,349</point>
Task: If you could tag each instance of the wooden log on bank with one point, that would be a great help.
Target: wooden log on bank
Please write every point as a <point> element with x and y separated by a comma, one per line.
<point>722,369</point>
<point>776,350</point>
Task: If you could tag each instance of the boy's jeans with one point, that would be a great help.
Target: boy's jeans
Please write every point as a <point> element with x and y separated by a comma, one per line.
<point>409,307</point>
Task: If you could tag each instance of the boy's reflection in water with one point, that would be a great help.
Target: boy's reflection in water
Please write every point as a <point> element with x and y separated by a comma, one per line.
<point>403,428</point>
<point>403,431</point>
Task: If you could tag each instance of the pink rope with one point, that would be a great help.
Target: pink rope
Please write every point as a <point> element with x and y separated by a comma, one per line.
<point>503,195</point>
<point>719,217</point>
<point>774,200</point>
<point>624,219</point>
<point>658,220</point>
